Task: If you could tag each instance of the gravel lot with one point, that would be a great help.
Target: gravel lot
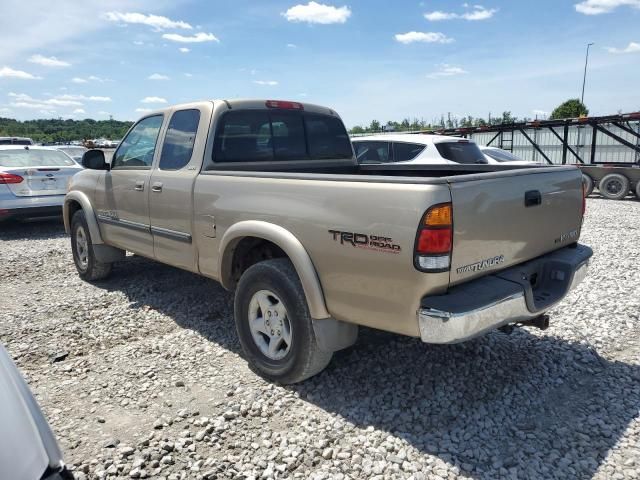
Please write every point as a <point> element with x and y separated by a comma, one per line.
<point>141,376</point>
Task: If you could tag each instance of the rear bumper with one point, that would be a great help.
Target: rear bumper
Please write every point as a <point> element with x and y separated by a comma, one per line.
<point>26,207</point>
<point>513,295</point>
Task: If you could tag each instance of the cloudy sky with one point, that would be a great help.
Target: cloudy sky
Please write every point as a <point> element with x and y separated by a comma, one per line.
<point>367,59</point>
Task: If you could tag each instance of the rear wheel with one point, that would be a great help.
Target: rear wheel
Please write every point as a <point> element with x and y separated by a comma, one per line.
<point>614,186</point>
<point>587,181</point>
<point>89,268</point>
<point>274,325</point>
<point>638,190</point>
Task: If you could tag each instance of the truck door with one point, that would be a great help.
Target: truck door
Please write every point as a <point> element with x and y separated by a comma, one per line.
<point>171,191</point>
<point>123,210</point>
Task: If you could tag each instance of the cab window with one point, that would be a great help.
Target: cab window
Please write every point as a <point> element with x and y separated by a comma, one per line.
<point>179,140</point>
<point>137,149</point>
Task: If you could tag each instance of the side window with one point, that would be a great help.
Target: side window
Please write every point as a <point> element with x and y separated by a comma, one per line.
<point>372,152</point>
<point>403,152</point>
<point>178,142</point>
<point>138,147</point>
<point>243,136</point>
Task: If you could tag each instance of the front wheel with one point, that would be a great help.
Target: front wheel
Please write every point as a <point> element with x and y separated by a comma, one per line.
<point>274,325</point>
<point>89,268</point>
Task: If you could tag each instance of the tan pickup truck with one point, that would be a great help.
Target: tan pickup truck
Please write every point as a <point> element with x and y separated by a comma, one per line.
<point>267,198</point>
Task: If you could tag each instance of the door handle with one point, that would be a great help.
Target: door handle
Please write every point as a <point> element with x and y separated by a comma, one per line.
<point>139,186</point>
<point>156,187</point>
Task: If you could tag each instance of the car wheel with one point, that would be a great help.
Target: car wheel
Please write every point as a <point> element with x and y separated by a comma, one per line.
<point>638,190</point>
<point>84,257</point>
<point>274,325</point>
<point>614,186</point>
<point>587,181</point>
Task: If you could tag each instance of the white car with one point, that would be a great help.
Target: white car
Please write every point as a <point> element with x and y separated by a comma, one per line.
<point>416,149</point>
<point>498,155</point>
<point>428,149</point>
<point>28,448</point>
<point>33,180</point>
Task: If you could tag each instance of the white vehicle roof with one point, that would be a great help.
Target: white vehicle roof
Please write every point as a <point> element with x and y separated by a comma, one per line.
<point>419,138</point>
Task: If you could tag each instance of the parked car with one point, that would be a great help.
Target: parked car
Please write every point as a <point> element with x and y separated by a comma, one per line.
<point>498,155</point>
<point>420,149</point>
<point>28,448</point>
<point>73,151</point>
<point>267,198</point>
<point>15,141</point>
<point>33,181</point>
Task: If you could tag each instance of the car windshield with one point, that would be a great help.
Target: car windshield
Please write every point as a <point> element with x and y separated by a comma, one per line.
<point>500,155</point>
<point>461,152</point>
<point>34,158</point>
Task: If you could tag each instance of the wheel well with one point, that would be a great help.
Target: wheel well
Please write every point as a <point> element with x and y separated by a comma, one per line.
<point>73,208</point>
<point>248,252</point>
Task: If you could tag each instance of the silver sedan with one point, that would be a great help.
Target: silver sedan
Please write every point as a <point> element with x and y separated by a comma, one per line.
<point>33,181</point>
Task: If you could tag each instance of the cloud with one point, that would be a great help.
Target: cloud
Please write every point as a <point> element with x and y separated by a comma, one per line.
<point>143,110</point>
<point>92,98</point>
<point>188,75</point>
<point>426,37</point>
<point>8,72</point>
<point>633,47</point>
<point>157,22</point>
<point>314,12</point>
<point>291,45</point>
<point>22,100</point>
<point>78,80</point>
<point>271,83</point>
<point>197,38</point>
<point>446,70</point>
<point>90,78</point>
<point>157,76</point>
<point>79,110</point>
<point>48,61</point>
<point>597,7</point>
<point>478,12</point>
<point>153,100</point>
<point>184,49</point>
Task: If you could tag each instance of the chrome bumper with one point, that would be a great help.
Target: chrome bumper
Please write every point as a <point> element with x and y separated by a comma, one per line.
<point>441,326</point>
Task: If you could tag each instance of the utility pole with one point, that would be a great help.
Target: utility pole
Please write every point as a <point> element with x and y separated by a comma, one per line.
<point>584,78</point>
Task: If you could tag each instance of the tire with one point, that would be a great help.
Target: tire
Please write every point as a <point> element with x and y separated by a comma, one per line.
<point>84,257</point>
<point>614,186</point>
<point>638,190</point>
<point>274,325</point>
<point>587,181</point>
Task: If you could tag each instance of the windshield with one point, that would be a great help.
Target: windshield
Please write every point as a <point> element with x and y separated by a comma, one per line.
<point>501,155</point>
<point>34,158</point>
<point>461,152</point>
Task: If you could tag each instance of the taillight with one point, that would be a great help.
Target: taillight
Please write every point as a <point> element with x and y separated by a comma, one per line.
<point>284,104</point>
<point>435,239</point>
<point>10,178</point>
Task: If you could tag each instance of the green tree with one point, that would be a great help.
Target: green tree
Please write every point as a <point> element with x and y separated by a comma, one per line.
<point>572,108</point>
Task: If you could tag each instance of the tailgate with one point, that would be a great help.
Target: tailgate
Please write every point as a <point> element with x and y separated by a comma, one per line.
<point>505,218</point>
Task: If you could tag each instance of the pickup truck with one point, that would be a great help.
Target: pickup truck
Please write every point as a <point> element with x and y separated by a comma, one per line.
<point>267,198</point>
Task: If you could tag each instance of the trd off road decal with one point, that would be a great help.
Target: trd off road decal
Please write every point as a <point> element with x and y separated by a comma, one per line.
<point>368,242</point>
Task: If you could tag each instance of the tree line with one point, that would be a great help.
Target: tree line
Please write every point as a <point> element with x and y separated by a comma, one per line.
<point>572,108</point>
<point>63,130</point>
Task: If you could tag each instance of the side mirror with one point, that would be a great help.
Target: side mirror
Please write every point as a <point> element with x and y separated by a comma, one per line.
<point>95,160</point>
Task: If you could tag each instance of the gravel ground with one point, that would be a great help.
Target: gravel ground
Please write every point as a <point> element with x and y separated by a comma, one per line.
<point>141,376</point>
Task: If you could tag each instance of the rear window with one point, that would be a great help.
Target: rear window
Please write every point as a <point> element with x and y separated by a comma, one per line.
<point>501,155</point>
<point>34,158</point>
<point>16,141</point>
<point>279,135</point>
<point>460,152</point>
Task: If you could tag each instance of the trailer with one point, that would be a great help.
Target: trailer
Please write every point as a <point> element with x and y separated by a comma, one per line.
<point>606,148</point>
